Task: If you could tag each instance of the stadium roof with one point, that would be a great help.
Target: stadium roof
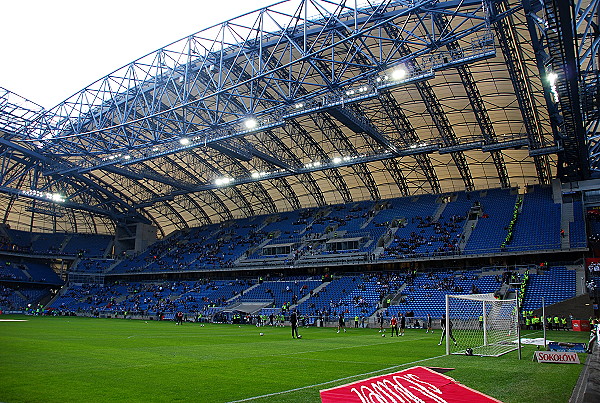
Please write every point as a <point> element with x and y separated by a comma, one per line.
<point>308,103</point>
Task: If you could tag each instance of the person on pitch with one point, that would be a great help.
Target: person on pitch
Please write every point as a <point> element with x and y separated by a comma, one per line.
<point>341,323</point>
<point>402,324</point>
<point>444,330</point>
<point>294,322</point>
<point>394,326</point>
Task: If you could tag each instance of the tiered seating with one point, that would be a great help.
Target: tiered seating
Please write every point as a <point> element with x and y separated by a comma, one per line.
<point>93,266</point>
<point>416,238</point>
<point>33,295</point>
<point>288,224</point>
<point>11,271</point>
<point>91,245</point>
<point>555,286</point>
<point>89,297</point>
<point>330,299</point>
<point>10,300</point>
<point>420,235</point>
<point>156,254</point>
<point>42,273</point>
<point>538,225</point>
<point>280,292</point>
<point>48,243</point>
<point>200,297</point>
<point>88,245</point>
<point>21,239</point>
<point>577,237</point>
<point>490,231</point>
<point>149,298</point>
<point>427,294</point>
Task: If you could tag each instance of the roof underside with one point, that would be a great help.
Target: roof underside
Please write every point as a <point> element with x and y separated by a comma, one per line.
<point>334,120</point>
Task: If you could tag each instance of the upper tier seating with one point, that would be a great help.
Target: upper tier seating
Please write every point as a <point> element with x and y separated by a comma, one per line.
<point>402,228</point>
<point>555,285</point>
<point>538,225</point>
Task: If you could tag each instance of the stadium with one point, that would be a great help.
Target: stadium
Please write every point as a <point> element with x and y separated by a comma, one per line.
<point>344,162</point>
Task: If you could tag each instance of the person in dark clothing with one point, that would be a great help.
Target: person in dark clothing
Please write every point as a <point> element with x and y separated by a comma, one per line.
<point>341,323</point>
<point>444,330</point>
<point>294,322</point>
<point>402,324</point>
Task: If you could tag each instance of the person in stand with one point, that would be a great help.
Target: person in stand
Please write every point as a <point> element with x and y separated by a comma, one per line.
<point>444,330</point>
<point>294,322</point>
<point>341,323</point>
<point>394,326</point>
<point>429,324</point>
<point>402,324</point>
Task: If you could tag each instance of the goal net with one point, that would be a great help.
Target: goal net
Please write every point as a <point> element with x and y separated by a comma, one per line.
<point>481,325</point>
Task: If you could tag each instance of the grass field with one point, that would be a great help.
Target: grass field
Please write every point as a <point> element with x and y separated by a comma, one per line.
<point>69,359</point>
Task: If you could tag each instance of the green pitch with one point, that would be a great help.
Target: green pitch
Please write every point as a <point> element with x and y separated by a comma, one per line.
<point>66,359</point>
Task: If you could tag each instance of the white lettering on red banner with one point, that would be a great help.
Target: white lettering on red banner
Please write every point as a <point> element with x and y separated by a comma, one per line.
<point>557,357</point>
<point>418,384</point>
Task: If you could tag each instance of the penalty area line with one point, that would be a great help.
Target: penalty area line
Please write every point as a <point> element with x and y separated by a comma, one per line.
<point>334,381</point>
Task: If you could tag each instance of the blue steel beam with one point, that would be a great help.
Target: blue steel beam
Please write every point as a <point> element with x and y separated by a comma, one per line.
<point>553,39</point>
<point>587,14</point>
<point>513,55</point>
<point>141,83</point>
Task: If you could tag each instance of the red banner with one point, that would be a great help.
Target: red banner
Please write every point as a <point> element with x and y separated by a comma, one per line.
<point>417,384</point>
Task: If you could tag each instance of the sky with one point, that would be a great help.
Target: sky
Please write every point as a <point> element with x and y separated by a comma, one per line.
<point>52,49</point>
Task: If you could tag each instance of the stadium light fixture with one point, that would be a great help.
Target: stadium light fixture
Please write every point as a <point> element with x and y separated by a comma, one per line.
<point>224,181</point>
<point>184,141</point>
<point>250,123</point>
<point>336,160</point>
<point>399,73</point>
<point>552,78</point>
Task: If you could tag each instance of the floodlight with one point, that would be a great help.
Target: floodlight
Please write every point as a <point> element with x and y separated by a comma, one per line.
<point>250,123</point>
<point>399,73</point>
<point>184,141</point>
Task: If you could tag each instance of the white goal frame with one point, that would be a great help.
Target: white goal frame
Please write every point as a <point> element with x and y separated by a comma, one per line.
<point>497,335</point>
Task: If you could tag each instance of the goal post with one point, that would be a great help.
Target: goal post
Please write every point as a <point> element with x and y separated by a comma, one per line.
<point>481,325</point>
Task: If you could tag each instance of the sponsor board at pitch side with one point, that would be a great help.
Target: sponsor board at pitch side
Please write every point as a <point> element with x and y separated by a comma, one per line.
<point>557,357</point>
<point>570,347</point>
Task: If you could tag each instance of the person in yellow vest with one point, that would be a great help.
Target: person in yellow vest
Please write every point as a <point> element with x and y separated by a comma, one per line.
<point>527,323</point>
<point>563,322</point>
<point>356,321</point>
<point>480,322</point>
<point>556,323</point>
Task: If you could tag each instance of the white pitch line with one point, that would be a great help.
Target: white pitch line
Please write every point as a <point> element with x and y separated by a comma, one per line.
<point>333,381</point>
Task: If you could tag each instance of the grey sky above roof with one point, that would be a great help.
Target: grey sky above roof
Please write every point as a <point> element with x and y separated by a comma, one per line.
<point>56,48</point>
